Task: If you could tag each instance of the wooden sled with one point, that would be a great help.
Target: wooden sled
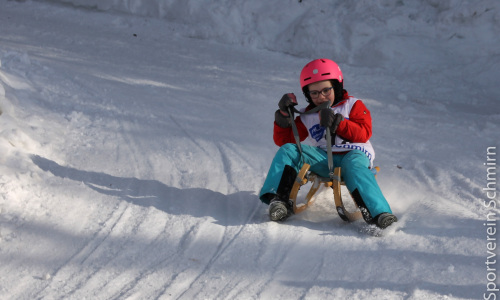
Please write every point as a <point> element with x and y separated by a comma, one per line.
<point>306,176</point>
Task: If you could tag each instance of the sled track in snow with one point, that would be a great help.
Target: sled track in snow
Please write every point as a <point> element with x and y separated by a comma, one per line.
<point>155,267</point>
<point>82,256</point>
<point>221,248</point>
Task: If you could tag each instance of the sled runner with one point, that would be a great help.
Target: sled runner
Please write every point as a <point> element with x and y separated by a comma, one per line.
<point>335,183</point>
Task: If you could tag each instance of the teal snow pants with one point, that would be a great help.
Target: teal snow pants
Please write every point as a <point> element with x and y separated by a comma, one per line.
<point>356,174</point>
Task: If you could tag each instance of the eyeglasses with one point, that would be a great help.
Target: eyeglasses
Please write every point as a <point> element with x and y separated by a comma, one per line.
<point>325,92</point>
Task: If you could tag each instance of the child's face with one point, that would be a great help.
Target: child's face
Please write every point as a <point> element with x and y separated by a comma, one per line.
<point>319,89</point>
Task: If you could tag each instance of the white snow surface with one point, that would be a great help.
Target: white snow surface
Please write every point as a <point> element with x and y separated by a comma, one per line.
<point>135,137</point>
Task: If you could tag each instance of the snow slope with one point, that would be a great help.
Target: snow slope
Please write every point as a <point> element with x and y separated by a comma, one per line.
<point>135,136</point>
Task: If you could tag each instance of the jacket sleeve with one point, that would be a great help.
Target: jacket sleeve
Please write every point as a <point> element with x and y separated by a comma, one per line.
<point>283,136</point>
<point>358,127</point>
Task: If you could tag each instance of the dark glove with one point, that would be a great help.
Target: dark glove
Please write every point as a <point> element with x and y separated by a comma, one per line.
<point>282,120</point>
<point>288,100</point>
<point>327,118</point>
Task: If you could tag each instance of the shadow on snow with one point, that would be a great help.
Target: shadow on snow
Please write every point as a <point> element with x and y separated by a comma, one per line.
<point>228,210</point>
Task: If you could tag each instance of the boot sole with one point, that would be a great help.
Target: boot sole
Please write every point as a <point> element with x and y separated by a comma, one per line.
<point>387,221</point>
<point>278,212</point>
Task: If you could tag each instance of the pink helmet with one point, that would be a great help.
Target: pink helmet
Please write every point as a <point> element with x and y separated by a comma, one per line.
<point>319,70</point>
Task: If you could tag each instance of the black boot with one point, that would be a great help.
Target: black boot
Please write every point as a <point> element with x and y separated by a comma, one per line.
<point>280,206</point>
<point>356,196</point>
<point>384,220</point>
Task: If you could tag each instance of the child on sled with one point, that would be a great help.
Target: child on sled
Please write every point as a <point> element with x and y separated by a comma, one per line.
<point>350,125</point>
